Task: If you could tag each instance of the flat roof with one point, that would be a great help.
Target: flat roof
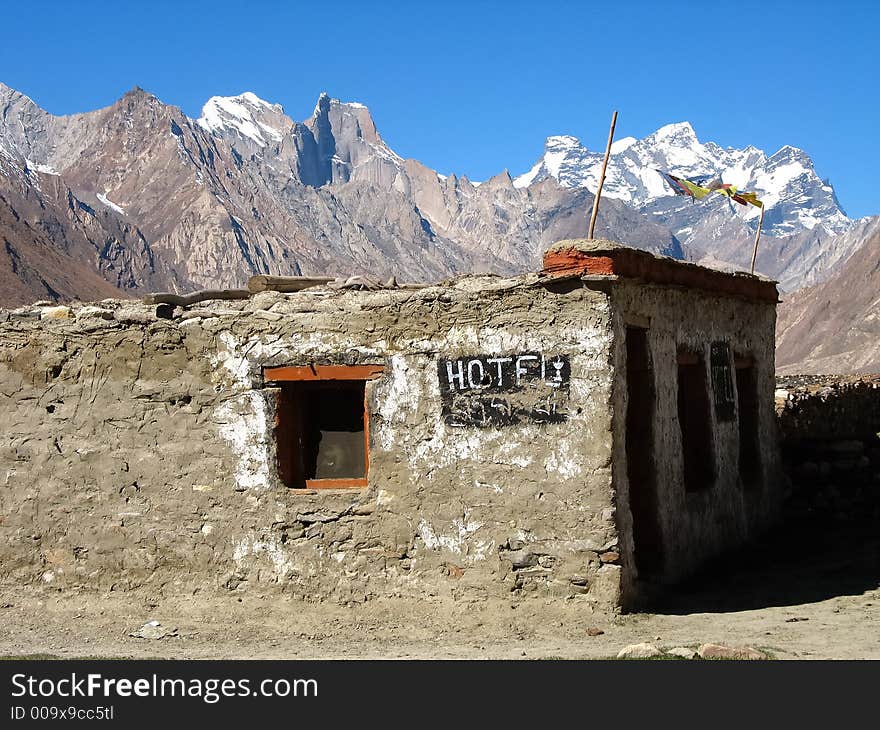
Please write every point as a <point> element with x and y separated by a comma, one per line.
<point>589,260</point>
<point>597,257</point>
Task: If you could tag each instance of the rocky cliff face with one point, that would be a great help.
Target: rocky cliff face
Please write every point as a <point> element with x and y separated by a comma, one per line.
<point>834,327</point>
<point>155,200</point>
<point>53,245</point>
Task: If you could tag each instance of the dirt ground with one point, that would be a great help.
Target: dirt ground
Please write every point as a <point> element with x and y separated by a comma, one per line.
<point>808,592</point>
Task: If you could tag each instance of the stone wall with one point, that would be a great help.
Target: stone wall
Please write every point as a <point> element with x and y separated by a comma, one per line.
<point>138,451</point>
<point>696,525</point>
<point>829,429</point>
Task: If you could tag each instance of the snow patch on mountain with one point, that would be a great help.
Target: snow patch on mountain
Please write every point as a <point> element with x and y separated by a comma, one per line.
<point>526,179</point>
<point>619,145</point>
<point>110,204</point>
<point>39,167</point>
<point>241,114</point>
<point>386,153</point>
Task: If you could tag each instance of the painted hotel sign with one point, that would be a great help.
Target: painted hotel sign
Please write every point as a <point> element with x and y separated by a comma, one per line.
<point>503,390</point>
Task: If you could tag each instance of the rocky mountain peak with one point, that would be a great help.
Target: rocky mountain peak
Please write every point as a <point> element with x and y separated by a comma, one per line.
<point>791,154</point>
<point>348,141</point>
<point>138,102</point>
<point>562,142</point>
<point>501,180</point>
<point>23,125</point>
<point>7,93</point>
<point>137,92</point>
<point>12,97</point>
<point>345,117</point>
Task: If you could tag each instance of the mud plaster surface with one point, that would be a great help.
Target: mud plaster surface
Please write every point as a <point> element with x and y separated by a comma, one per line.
<point>138,452</point>
<point>697,525</point>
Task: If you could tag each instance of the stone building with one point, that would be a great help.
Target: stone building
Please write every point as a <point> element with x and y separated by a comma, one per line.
<point>575,432</point>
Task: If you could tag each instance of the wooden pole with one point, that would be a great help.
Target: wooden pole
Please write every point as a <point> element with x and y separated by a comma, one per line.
<point>757,238</point>
<point>263,282</point>
<point>602,177</point>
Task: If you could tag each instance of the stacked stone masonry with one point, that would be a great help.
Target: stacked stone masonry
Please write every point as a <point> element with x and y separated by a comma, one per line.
<point>829,427</point>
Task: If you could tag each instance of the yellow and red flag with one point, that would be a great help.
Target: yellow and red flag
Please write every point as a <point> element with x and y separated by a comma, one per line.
<point>698,191</point>
<point>740,196</point>
<point>685,187</point>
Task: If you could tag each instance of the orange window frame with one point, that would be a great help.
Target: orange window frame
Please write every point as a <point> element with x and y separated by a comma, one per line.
<point>330,373</point>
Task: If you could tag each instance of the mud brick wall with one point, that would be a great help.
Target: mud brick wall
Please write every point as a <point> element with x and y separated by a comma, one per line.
<point>829,427</point>
<point>695,525</point>
<point>138,452</point>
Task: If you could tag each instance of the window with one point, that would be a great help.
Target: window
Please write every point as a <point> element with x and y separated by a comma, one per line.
<point>694,418</point>
<point>322,425</point>
<point>747,403</point>
<point>722,381</point>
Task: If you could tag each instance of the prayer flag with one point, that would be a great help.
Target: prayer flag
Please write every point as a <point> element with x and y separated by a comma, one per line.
<point>685,187</point>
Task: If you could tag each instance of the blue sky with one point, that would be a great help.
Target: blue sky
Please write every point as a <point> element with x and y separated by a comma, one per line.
<point>474,87</point>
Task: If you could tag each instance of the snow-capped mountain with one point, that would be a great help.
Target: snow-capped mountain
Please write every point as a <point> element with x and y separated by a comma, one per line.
<point>795,198</point>
<point>806,234</point>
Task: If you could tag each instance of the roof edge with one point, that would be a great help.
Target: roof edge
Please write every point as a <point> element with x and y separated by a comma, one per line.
<point>602,257</point>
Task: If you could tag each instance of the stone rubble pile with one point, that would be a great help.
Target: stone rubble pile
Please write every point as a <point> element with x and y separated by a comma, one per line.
<point>647,650</point>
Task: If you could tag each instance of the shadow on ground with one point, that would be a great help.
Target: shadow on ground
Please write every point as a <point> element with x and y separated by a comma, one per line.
<point>807,558</point>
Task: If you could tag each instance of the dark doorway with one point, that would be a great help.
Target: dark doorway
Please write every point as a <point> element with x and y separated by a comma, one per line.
<point>695,420</point>
<point>640,471</point>
<point>749,447</point>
